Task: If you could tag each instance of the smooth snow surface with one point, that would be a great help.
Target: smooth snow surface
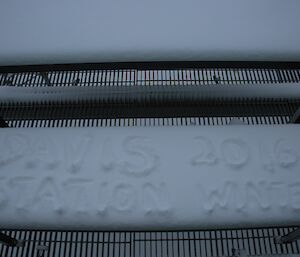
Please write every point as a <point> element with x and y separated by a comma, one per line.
<point>150,178</point>
<point>136,93</point>
<point>80,31</point>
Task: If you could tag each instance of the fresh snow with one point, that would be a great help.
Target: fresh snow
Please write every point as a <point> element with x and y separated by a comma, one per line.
<point>156,92</point>
<point>150,178</point>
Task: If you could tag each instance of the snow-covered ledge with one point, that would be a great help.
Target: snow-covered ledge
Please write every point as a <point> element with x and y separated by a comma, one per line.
<point>150,178</point>
<point>142,93</point>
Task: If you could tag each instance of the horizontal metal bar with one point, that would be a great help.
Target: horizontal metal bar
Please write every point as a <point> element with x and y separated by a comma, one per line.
<point>152,65</point>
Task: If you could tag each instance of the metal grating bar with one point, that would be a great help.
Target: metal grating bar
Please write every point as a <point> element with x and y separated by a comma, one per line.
<point>146,122</point>
<point>98,110</point>
<point>255,242</point>
<point>136,77</point>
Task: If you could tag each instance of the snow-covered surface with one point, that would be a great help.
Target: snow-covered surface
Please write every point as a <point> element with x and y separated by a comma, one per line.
<point>66,31</point>
<point>150,178</point>
<point>237,91</point>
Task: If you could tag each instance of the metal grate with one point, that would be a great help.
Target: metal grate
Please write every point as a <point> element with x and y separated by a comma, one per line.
<point>258,241</point>
<point>152,112</point>
<point>147,122</point>
<point>147,244</point>
<point>136,77</point>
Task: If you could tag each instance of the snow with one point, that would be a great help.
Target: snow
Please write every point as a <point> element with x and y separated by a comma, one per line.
<point>149,178</point>
<point>81,31</point>
<point>139,92</point>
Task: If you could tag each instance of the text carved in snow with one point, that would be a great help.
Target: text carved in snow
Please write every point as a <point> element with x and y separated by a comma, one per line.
<point>82,195</point>
<point>234,152</point>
